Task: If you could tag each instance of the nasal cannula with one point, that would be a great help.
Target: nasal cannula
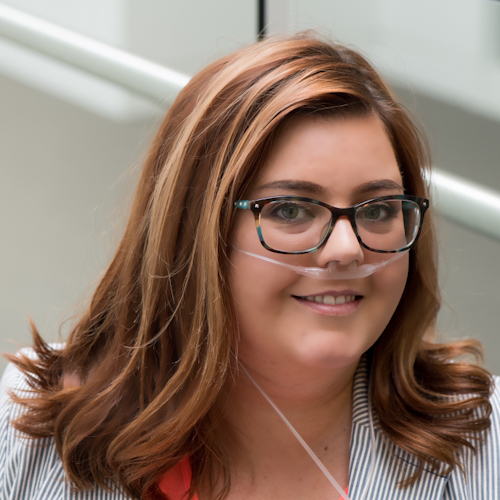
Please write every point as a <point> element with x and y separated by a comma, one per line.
<point>332,271</point>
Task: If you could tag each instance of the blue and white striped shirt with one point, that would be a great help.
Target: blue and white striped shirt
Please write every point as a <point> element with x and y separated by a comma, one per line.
<point>31,469</point>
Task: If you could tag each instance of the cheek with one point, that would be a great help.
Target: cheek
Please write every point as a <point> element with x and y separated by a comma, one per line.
<point>263,308</point>
<point>257,289</point>
<point>400,276</point>
<point>389,287</point>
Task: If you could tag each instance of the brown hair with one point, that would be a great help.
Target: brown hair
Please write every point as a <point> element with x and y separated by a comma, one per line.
<point>152,352</point>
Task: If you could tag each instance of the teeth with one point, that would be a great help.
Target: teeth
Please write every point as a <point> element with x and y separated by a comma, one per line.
<point>330,299</point>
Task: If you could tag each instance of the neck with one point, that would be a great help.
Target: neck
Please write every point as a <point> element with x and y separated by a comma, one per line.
<point>319,407</point>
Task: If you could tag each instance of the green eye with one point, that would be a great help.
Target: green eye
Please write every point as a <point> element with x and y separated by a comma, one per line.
<point>379,212</point>
<point>286,212</point>
<point>290,212</point>
<point>373,213</point>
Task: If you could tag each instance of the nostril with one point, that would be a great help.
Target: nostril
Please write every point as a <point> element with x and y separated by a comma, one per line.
<point>332,266</point>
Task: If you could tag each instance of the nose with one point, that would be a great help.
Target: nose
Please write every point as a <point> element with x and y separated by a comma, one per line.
<point>342,245</point>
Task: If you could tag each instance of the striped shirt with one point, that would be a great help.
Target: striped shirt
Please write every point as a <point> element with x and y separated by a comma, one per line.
<point>31,469</point>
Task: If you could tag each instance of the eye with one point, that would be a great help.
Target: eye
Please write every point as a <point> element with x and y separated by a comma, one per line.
<point>378,212</point>
<point>287,212</point>
<point>374,212</point>
<point>290,211</point>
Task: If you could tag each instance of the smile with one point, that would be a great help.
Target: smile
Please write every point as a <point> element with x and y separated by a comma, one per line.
<point>330,299</point>
<point>331,304</point>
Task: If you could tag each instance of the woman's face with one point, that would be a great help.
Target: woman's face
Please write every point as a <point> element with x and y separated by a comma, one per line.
<point>341,162</point>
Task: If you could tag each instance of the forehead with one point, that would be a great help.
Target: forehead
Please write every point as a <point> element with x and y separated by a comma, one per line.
<point>338,155</point>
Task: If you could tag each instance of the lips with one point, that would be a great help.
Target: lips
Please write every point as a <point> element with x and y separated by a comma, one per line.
<point>330,300</point>
<point>331,303</point>
<point>332,297</point>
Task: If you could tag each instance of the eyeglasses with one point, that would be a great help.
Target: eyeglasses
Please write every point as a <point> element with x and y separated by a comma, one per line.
<point>295,225</point>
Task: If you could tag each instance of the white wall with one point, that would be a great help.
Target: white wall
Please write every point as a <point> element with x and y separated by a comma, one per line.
<point>184,35</point>
<point>449,49</point>
<point>63,171</point>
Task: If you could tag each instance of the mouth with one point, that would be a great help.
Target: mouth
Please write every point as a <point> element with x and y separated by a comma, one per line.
<point>337,304</point>
<point>331,300</point>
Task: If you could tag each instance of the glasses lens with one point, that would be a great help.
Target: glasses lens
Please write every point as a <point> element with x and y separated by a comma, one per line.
<point>293,226</point>
<point>388,224</point>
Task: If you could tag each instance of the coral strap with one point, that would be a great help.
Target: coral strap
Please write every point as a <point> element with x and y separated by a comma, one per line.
<point>346,490</point>
<point>177,481</point>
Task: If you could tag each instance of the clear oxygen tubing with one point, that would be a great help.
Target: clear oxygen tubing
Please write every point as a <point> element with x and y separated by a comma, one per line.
<point>373,451</point>
<point>311,453</point>
<point>331,272</point>
<point>317,461</point>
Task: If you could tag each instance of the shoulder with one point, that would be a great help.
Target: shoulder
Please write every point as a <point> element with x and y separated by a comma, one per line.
<point>490,441</point>
<point>31,468</point>
<point>495,398</point>
<point>490,445</point>
<point>481,468</point>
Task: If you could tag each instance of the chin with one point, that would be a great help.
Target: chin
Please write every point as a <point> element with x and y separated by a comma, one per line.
<point>328,357</point>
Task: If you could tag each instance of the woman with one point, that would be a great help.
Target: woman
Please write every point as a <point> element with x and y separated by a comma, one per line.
<point>165,388</point>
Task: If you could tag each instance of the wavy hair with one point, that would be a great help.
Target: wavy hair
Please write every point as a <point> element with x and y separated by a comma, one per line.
<point>152,352</point>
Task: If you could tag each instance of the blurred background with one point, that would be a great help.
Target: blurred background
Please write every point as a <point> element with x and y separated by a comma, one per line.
<point>71,145</point>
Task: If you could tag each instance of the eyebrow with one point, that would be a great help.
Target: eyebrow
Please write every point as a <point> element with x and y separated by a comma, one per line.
<point>295,186</point>
<point>316,189</point>
<point>378,185</point>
